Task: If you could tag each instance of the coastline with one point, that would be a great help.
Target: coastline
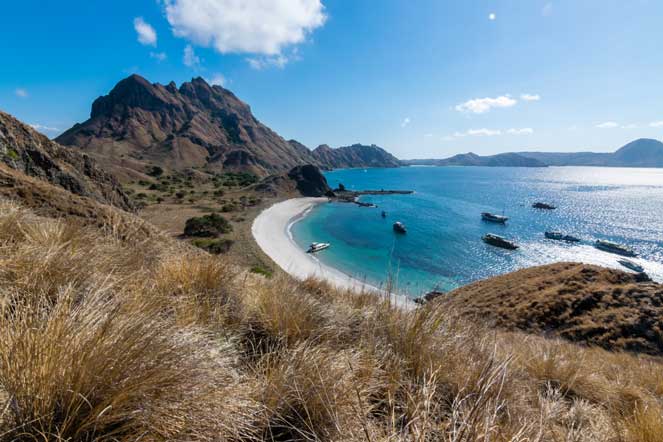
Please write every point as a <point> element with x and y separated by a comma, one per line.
<point>271,230</point>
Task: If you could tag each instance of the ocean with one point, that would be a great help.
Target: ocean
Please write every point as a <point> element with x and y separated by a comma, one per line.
<point>443,250</point>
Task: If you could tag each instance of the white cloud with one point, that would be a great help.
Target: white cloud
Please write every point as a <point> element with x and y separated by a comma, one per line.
<point>43,128</point>
<point>262,62</point>
<point>482,105</point>
<point>607,125</point>
<point>656,124</point>
<point>479,133</point>
<point>190,58</point>
<point>530,97</point>
<point>262,27</point>
<point>159,56</point>
<point>428,135</point>
<point>21,93</point>
<point>630,126</point>
<point>217,79</point>
<point>146,33</point>
<point>405,121</point>
<point>547,9</point>
<point>523,131</point>
<point>492,16</point>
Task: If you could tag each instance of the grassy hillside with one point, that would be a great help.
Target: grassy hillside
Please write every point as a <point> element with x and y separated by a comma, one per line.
<point>107,337</point>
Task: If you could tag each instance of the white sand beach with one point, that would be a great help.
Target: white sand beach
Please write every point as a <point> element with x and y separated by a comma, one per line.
<point>271,230</point>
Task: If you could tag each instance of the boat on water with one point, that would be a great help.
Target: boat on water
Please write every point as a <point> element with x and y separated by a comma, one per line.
<point>498,241</point>
<point>545,206</point>
<point>613,247</point>
<point>559,236</point>
<point>399,227</point>
<point>384,214</point>
<point>317,246</point>
<point>491,217</point>
<point>631,265</point>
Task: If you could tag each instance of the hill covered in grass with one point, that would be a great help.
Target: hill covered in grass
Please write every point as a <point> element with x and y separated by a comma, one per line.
<point>582,303</point>
<point>144,338</point>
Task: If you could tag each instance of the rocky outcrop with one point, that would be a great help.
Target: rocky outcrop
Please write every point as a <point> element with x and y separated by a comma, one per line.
<point>196,125</point>
<point>305,180</point>
<point>357,155</point>
<point>31,153</point>
<point>472,159</point>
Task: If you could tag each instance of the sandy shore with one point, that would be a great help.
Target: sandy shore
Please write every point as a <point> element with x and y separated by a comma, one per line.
<point>271,230</point>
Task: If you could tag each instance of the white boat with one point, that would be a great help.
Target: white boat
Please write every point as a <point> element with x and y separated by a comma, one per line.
<point>631,265</point>
<point>491,217</point>
<point>317,246</point>
<point>399,227</point>
<point>613,247</point>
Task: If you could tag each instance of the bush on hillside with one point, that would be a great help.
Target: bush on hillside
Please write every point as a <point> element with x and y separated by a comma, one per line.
<point>206,226</point>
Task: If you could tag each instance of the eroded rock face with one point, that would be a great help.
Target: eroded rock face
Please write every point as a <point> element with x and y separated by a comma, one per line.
<point>29,152</point>
<point>310,181</point>
<point>196,125</point>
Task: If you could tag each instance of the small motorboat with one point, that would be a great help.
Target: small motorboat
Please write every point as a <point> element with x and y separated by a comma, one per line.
<point>399,227</point>
<point>613,247</point>
<point>317,246</point>
<point>545,206</point>
<point>559,236</point>
<point>498,241</point>
<point>384,214</point>
<point>491,217</point>
<point>631,265</point>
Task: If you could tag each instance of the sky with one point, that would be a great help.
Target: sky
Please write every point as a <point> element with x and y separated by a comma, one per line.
<point>421,78</point>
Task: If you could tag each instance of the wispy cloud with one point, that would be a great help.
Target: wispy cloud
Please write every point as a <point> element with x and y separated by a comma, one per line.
<point>478,133</point>
<point>277,61</point>
<point>656,124</point>
<point>492,16</point>
<point>21,93</point>
<point>521,131</point>
<point>530,97</point>
<point>483,105</point>
<point>607,125</point>
<point>630,126</point>
<point>216,80</point>
<point>190,58</point>
<point>146,33</point>
<point>42,128</point>
<point>428,135</point>
<point>158,56</point>
<point>405,121</point>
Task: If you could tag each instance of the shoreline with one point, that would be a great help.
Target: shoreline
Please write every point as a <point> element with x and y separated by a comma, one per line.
<point>271,230</point>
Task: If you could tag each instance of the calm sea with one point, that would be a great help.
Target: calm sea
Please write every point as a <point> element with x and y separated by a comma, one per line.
<point>443,247</point>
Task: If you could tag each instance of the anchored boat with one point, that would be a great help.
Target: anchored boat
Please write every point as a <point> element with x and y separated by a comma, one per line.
<point>399,227</point>
<point>559,236</point>
<point>317,246</point>
<point>631,265</point>
<point>613,247</point>
<point>498,241</point>
<point>491,217</point>
<point>545,206</point>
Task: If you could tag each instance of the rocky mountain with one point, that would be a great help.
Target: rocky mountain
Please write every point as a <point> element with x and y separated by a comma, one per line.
<point>472,159</point>
<point>196,125</point>
<point>306,180</point>
<point>25,153</point>
<point>643,152</point>
<point>357,155</point>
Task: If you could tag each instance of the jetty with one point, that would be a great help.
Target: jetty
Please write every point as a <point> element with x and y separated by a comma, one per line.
<point>352,196</point>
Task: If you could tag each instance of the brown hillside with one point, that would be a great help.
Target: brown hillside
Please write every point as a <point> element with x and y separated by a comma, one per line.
<point>196,125</point>
<point>581,303</point>
<point>31,153</point>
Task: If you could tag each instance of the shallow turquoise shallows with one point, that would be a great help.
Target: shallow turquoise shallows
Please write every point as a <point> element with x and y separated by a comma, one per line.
<point>443,249</point>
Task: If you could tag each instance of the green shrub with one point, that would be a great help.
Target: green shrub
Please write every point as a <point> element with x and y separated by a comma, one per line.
<point>155,171</point>
<point>211,225</point>
<point>261,270</point>
<point>11,153</point>
<point>214,246</point>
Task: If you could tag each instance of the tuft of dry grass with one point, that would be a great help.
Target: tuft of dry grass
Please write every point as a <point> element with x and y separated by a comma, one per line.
<point>111,336</point>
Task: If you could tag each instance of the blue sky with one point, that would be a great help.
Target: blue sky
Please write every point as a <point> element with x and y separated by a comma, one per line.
<point>424,78</point>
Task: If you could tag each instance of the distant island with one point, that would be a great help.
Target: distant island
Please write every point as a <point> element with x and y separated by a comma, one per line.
<point>643,152</point>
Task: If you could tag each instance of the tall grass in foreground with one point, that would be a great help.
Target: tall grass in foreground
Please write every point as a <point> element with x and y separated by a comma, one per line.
<point>106,336</point>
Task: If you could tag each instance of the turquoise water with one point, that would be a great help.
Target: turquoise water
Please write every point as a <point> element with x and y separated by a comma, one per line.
<point>443,247</point>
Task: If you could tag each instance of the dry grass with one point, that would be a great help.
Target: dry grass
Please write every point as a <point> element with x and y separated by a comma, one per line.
<point>107,336</point>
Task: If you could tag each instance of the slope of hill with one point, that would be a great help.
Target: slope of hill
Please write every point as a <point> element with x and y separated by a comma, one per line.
<point>357,155</point>
<point>32,154</point>
<point>582,303</point>
<point>472,159</point>
<point>195,125</point>
<point>643,152</point>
